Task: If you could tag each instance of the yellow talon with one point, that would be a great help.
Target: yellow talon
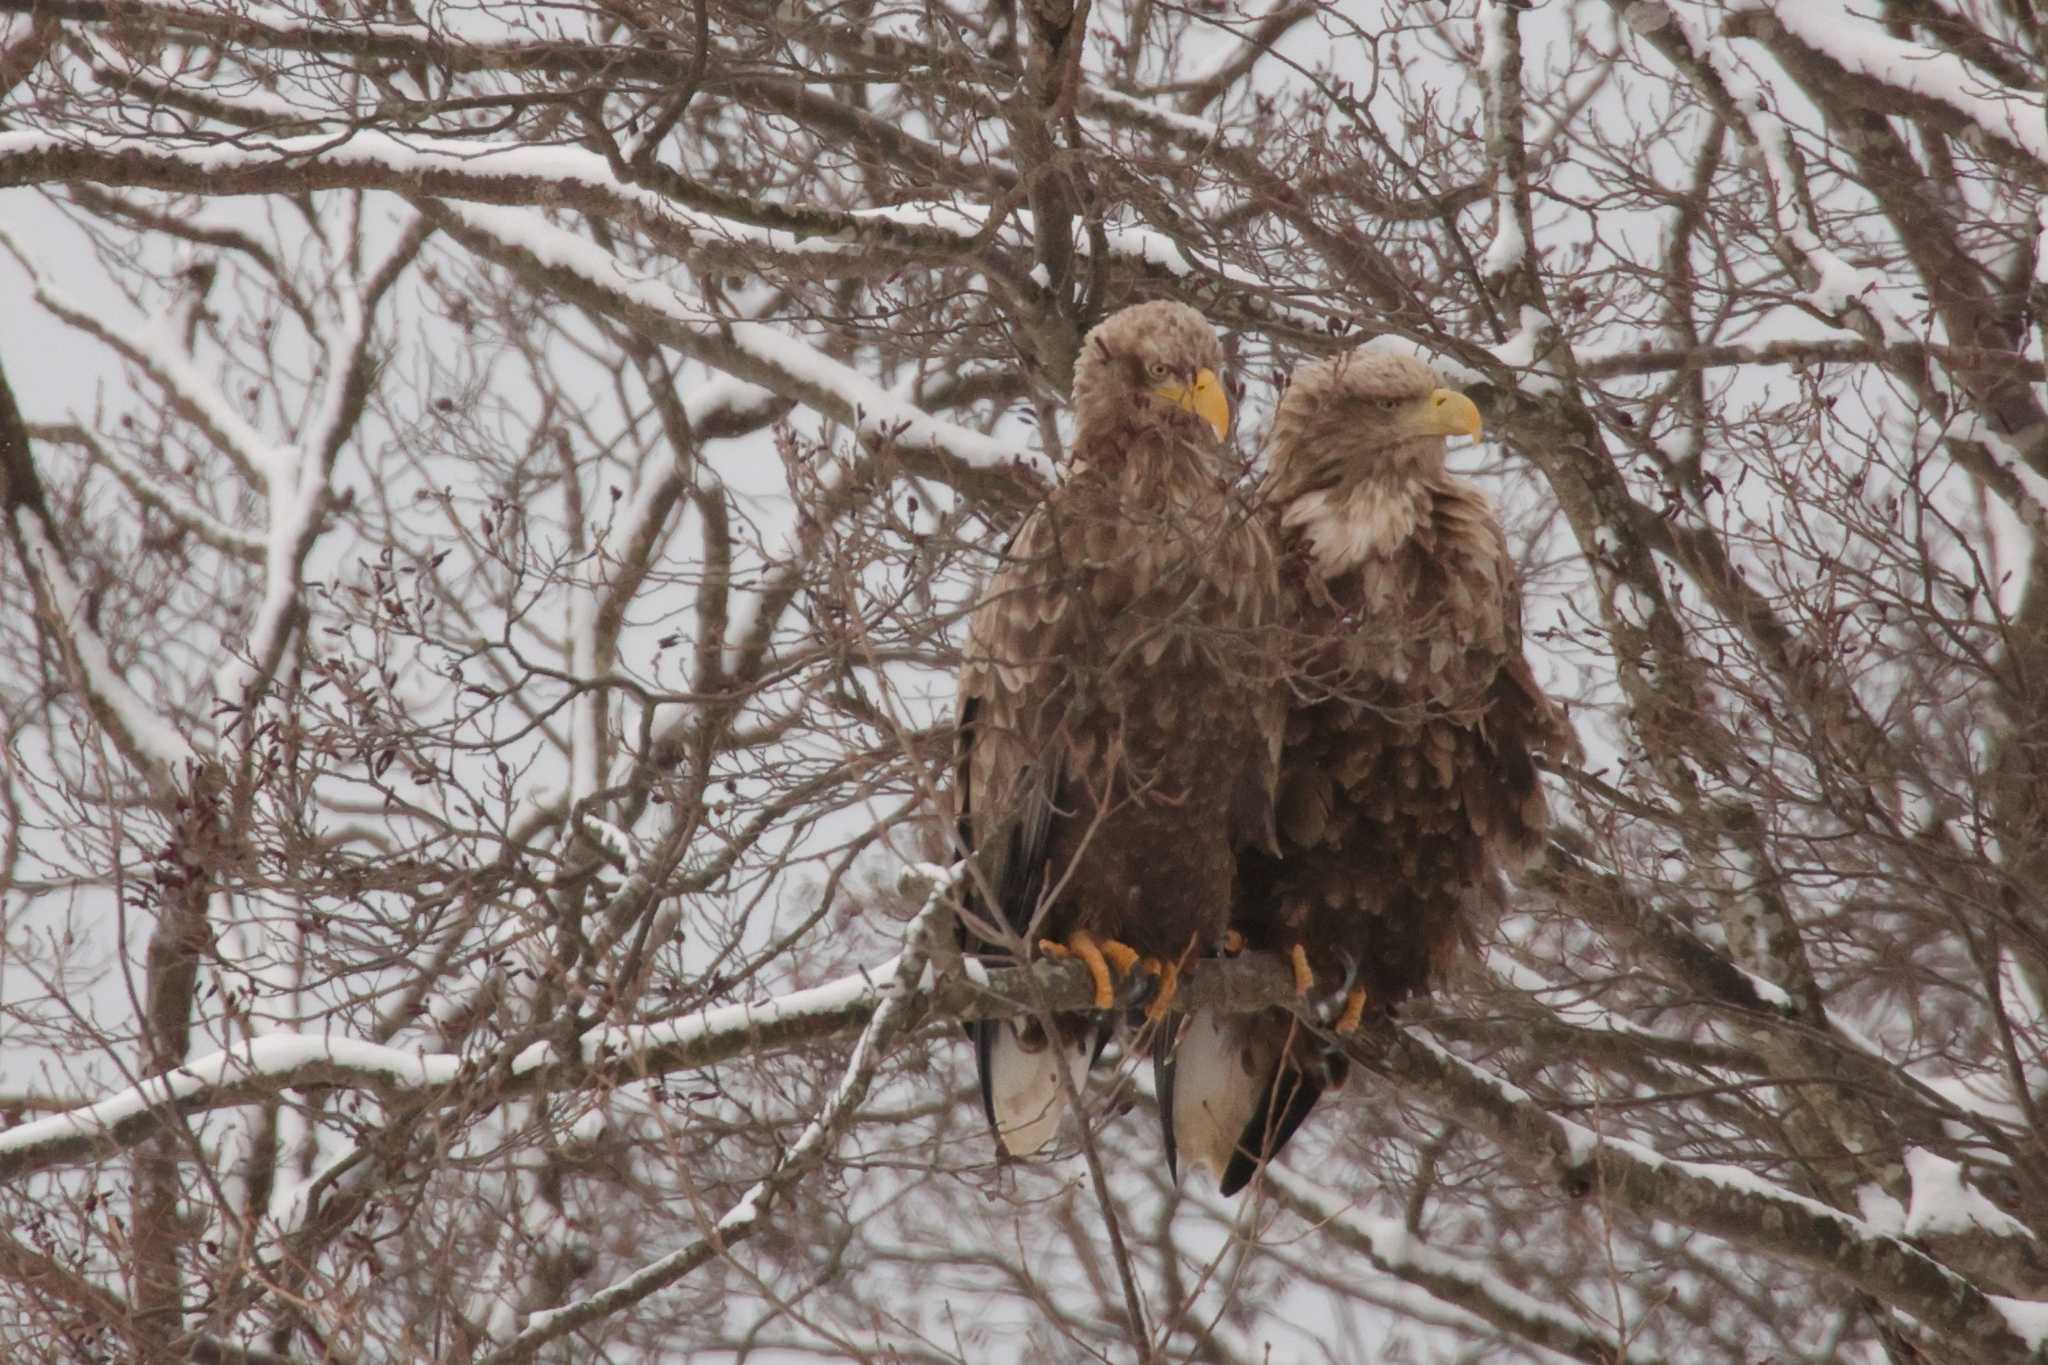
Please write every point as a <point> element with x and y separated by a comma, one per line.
<point>1082,944</point>
<point>1354,1011</point>
<point>1121,956</point>
<point>1169,986</point>
<point>1304,979</point>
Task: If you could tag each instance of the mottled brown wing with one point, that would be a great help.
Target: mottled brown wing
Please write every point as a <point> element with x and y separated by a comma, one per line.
<point>1415,785</point>
<point>1505,806</point>
<point>1116,668</point>
<point>1529,725</point>
<point>1122,735</point>
<point>1408,784</point>
<point>1007,795</point>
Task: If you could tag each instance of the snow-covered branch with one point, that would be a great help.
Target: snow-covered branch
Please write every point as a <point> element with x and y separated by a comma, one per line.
<point>1798,352</point>
<point>1874,69</point>
<point>1393,1249</point>
<point>141,733</point>
<point>898,1008</point>
<point>136,727</point>
<point>756,352</point>
<point>611,1055</point>
<point>716,229</point>
<point>151,345</point>
<point>167,502</point>
<point>1728,1201</point>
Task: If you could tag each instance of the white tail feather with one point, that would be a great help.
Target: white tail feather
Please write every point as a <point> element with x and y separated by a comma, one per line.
<point>1024,1084</point>
<point>1216,1088</point>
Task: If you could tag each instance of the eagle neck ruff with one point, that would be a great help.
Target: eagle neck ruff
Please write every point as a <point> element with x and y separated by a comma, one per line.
<point>1347,525</point>
<point>1148,464</point>
<point>1349,522</point>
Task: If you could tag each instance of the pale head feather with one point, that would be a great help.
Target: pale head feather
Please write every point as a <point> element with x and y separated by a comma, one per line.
<point>1113,377</point>
<point>1332,428</point>
<point>1349,457</point>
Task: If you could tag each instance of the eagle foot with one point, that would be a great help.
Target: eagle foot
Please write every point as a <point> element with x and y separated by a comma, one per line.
<point>1304,979</point>
<point>1169,986</point>
<point>1353,1013</point>
<point>1096,957</point>
<point>1121,956</point>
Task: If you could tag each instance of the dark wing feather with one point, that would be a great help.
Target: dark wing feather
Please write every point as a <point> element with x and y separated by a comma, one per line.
<point>1164,1085</point>
<point>1009,803</point>
<point>1019,881</point>
<point>1011,852</point>
<point>1283,1105</point>
<point>1400,806</point>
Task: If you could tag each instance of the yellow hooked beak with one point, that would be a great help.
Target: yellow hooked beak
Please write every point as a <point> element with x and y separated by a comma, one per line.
<point>1206,400</point>
<point>1453,414</point>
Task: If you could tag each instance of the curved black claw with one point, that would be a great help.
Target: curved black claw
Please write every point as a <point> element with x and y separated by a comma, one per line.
<point>1135,992</point>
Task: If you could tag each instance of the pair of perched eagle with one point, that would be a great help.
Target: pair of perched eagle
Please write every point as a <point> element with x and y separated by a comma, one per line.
<point>1193,720</point>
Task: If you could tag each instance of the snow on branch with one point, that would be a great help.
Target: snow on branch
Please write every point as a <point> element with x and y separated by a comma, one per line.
<point>248,1071</point>
<point>880,1005</point>
<point>1944,1202</point>
<point>1727,1201</point>
<point>897,1011</point>
<point>757,352</point>
<point>294,475</point>
<point>609,1055</point>
<point>1904,76</point>
<point>297,485</point>
<point>142,735</point>
<point>696,221</point>
<point>715,228</point>
<point>1579,879</point>
<point>153,348</point>
<point>1501,62</point>
<point>2027,490</point>
<point>1798,351</point>
<point>134,725</point>
<point>1843,292</point>
<point>168,502</point>
<point>1464,1283</point>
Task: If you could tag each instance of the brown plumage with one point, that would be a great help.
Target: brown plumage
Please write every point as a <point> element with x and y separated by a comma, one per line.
<point>1408,781</point>
<point>1118,715</point>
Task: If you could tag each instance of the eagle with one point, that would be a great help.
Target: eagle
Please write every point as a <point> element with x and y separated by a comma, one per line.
<point>1119,710</point>
<point>1408,773</point>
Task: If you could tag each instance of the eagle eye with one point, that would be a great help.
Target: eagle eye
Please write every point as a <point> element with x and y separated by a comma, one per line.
<point>1158,369</point>
<point>1389,404</point>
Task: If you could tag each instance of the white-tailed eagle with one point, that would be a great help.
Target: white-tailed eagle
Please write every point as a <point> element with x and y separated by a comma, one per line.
<point>1119,710</point>
<point>1408,774</point>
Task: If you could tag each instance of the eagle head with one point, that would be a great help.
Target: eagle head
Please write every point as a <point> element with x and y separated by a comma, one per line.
<point>1156,365</point>
<point>1367,413</point>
